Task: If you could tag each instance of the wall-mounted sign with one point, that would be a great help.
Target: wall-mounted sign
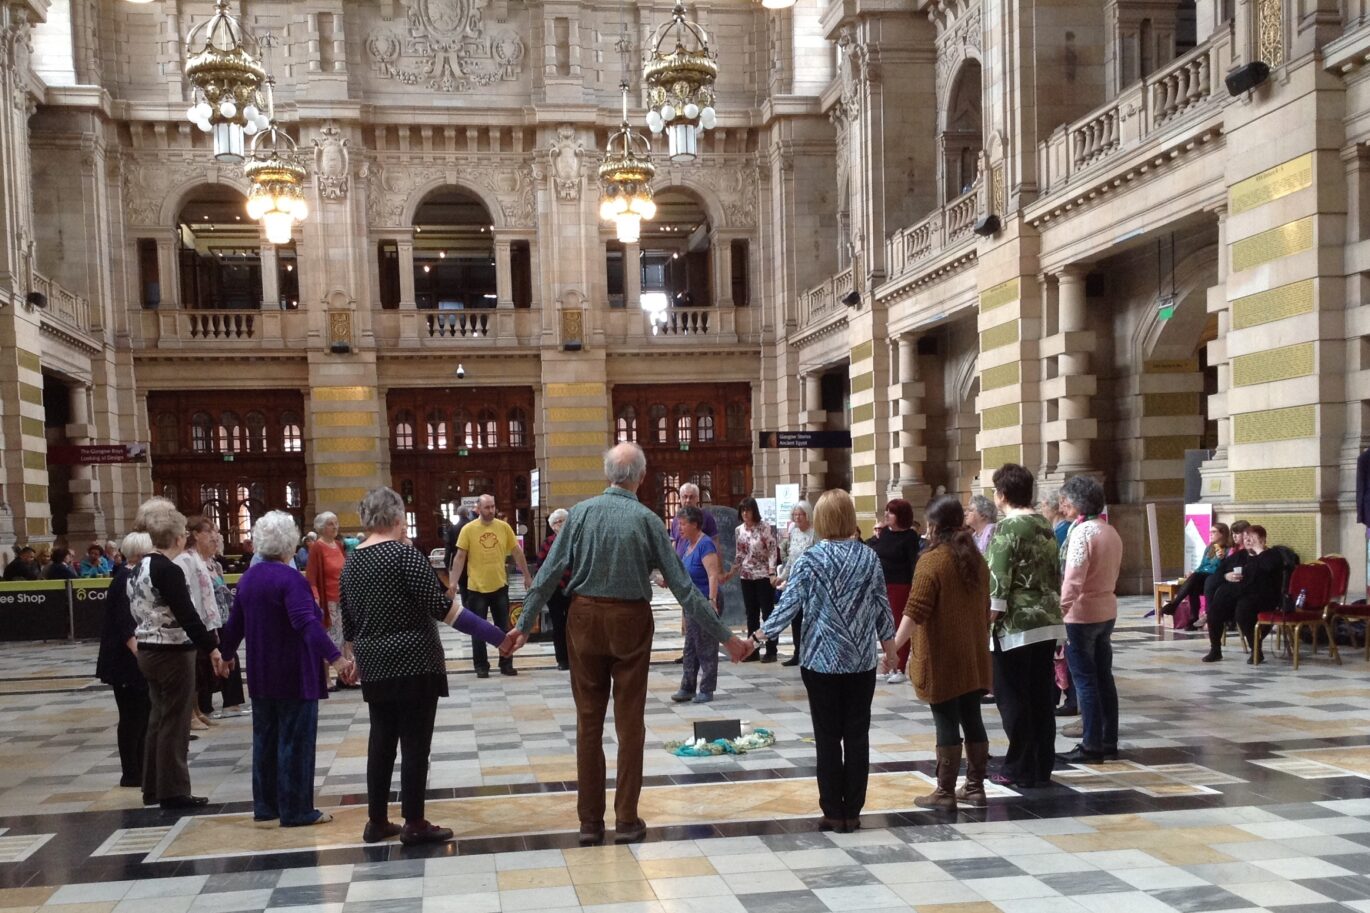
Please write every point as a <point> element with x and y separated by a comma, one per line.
<point>93,454</point>
<point>804,440</point>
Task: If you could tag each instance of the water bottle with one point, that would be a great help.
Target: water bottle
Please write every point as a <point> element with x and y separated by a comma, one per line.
<point>1298,603</point>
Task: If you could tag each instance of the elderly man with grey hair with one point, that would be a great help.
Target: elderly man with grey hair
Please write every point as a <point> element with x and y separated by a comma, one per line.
<point>612,543</point>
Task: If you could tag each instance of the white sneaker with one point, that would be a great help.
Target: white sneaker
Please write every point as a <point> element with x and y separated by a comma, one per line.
<point>896,678</point>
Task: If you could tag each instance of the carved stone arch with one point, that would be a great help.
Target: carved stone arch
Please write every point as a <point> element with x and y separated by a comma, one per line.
<point>966,374</point>
<point>1194,276</point>
<point>955,71</point>
<point>486,196</point>
<point>176,197</point>
<point>707,194</point>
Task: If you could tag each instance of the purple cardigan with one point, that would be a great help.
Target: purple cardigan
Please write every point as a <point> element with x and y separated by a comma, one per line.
<point>275,613</point>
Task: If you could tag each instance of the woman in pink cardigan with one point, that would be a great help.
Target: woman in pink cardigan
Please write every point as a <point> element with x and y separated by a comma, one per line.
<point>1094,553</point>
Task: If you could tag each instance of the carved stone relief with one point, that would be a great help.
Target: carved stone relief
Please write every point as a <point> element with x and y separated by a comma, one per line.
<point>732,183</point>
<point>446,47</point>
<point>331,163</point>
<point>391,184</point>
<point>566,153</point>
<point>149,181</point>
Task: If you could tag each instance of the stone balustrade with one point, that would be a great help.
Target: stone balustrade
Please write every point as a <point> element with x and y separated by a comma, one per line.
<point>64,307</point>
<point>825,299</point>
<point>170,328</point>
<point>946,227</point>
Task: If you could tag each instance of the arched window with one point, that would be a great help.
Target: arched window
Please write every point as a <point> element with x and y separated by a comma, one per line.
<point>404,431</point>
<point>293,495</point>
<point>704,423</point>
<point>737,422</point>
<point>201,432</point>
<point>256,432</point>
<point>407,491</point>
<point>670,493</point>
<point>488,435</point>
<point>168,433</point>
<point>436,425</point>
<point>705,481</point>
<point>292,435</point>
<point>170,493</point>
<point>684,425</point>
<point>249,512</point>
<point>660,424</point>
<point>625,426</point>
<point>230,433</point>
<point>213,503</point>
<point>518,427</point>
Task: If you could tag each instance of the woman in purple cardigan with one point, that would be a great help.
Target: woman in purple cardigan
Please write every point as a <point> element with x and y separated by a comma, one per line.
<point>274,612</point>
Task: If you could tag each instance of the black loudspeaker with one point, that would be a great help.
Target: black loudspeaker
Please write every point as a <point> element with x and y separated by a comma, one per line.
<point>1247,77</point>
<point>36,300</point>
<point>852,298</point>
<point>1096,285</point>
<point>709,730</point>
<point>340,348</point>
<point>987,226</point>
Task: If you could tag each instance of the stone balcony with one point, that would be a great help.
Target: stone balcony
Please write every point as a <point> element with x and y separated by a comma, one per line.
<point>949,227</point>
<point>175,328</point>
<point>823,302</point>
<point>65,309</point>
<point>699,327</point>
<point>456,330</point>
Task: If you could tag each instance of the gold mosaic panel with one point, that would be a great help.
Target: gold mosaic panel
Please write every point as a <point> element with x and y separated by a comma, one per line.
<point>1275,425</point>
<point>344,444</point>
<point>1000,417</point>
<point>996,337</point>
<point>576,438</point>
<point>863,474</point>
<point>342,394</point>
<point>863,352</point>
<point>569,414</point>
<point>1273,244</point>
<point>866,505</point>
<point>1273,304</point>
<point>1297,484</point>
<point>343,419</point>
<point>1167,448</point>
<point>1298,531</point>
<point>35,460</point>
<point>1002,376</point>
<point>1170,523</point>
<point>28,360</point>
<point>36,526</point>
<point>994,457</point>
<point>345,470</point>
<point>568,391</point>
<point>999,295</point>
<point>864,443</point>
<point>860,383</point>
<point>1270,32</point>
<point>1272,365</point>
<point>33,427</point>
<point>1170,404</point>
<point>1271,184</point>
<point>30,393</point>
<point>339,495</point>
<point>864,413</point>
<point>349,519</point>
<point>575,463</point>
<point>579,489</point>
<point>36,494</point>
<point>1165,488</point>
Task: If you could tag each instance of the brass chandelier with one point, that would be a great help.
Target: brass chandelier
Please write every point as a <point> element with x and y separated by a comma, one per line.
<point>277,176</point>
<point>625,176</point>
<point>680,81</point>
<point>226,74</point>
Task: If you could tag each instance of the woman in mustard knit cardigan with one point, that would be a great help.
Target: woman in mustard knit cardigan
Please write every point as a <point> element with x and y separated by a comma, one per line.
<point>947,618</point>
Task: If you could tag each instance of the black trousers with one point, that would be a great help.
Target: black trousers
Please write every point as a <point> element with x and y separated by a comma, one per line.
<point>958,715</point>
<point>206,683</point>
<point>494,607</point>
<point>1193,590</point>
<point>797,630</point>
<point>1228,607</point>
<point>840,705</point>
<point>134,707</point>
<point>408,726</point>
<point>1023,681</point>
<point>758,596</point>
<point>557,606</point>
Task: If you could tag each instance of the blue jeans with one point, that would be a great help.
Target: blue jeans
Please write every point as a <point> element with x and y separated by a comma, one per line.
<point>1089,653</point>
<point>283,735</point>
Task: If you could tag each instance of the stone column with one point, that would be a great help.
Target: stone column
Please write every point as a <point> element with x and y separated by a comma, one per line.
<point>406,251</point>
<point>504,278</point>
<point>1075,385</point>
<point>271,279</point>
<point>168,271</point>
<point>908,392</point>
<point>721,253</point>
<point>814,419</point>
<point>81,522</point>
<point>632,276</point>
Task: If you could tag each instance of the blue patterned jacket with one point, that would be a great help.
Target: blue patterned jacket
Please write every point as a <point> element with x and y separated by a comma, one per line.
<point>839,587</point>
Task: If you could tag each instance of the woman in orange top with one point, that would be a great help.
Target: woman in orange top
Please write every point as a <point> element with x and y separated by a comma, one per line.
<point>324,572</point>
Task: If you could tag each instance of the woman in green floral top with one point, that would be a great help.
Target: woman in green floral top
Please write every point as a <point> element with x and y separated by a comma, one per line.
<point>1025,609</point>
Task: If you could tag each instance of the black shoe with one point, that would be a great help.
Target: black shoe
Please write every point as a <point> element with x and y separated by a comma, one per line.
<point>792,661</point>
<point>678,660</point>
<point>1081,755</point>
<point>753,657</point>
<point>1169,608</point>
<point>591,835</point>
<point>376,831</point>
<point>1110,752</point>
<point>180,802</point>
<point>987,699</point>
<point>630,833</point>
<point>769,658</point>
<point>482,673</point>
<point>149,799</point>
<point>130,782</point>
<point>562,667</point>
<point>1214,655</point>
<point>1068,710</point>
<point>423,832</point>
<point>508,670</point>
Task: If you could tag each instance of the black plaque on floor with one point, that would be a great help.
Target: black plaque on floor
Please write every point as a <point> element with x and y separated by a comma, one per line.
<point>709,730</point>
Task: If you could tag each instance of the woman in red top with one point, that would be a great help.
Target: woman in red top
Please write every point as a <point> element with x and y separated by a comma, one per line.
<point>324,572</point>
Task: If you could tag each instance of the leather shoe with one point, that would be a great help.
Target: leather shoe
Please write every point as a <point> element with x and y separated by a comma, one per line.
<point>376,831</point>
<point>1068,710</point>
<point>416,832</point>
<point>1081,755</point>
<point>682,696</point>
<point>591,835</point>
<point>792,661</point>
<point>630,833</point>
<point>508,670</point>
<point>482,673</point>
<point>179,802</point>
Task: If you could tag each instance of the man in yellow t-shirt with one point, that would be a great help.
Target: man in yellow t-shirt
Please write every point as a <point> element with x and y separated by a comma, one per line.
<point>482,548</point>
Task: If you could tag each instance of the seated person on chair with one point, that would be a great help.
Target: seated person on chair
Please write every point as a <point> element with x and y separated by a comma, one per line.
<point>1219,544</point>
<point>1236,557</point>
<point>1252,589</point>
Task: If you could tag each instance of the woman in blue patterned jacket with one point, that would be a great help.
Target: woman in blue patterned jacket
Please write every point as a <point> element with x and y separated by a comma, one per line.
<point>839,587</point>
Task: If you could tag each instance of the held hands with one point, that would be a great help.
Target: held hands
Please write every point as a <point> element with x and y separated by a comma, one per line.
<point>513,642</point>
<point>221,668</point>
<point>346,667</point>
<point>739,648</point>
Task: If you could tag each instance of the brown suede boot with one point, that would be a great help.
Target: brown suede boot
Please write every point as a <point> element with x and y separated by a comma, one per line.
<point>948,766</point>
<point>977,759</point>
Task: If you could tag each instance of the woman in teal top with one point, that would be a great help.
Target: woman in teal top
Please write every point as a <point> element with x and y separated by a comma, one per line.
<point>1219,545</point>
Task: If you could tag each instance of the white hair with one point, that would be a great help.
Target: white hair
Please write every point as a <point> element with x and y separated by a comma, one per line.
<point>558,516</point>
<point>625,463</point>
<point>805,506</point>
<point>275,534</point>
<point>135,546</point>
<point>690,486</point>
<point>322,519</point>
<point>381,509</point>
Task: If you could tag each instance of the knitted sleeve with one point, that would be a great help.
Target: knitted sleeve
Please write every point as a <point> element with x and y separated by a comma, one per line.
<point>925,590</point>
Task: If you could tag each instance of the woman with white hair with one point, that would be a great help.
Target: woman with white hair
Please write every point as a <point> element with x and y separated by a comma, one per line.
<point>275,614</point>
<point>797,542</point>
<point>981,517</point>
<point>560,600</point>
<point>323,570</point>
<point>117,665</point>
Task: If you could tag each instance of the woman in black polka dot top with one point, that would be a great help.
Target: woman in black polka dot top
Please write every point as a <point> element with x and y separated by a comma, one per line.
<point>391,605</point>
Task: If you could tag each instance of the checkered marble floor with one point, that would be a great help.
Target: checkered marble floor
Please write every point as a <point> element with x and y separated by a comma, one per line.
<point>1239,788</point>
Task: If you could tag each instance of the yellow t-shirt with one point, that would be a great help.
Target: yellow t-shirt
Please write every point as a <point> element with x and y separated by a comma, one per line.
<point>486,546</point>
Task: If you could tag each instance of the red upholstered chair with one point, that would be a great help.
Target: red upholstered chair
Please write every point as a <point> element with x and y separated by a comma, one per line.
<point>1341,571</point>
<point>1341,576</point>
<point>1316,580</point>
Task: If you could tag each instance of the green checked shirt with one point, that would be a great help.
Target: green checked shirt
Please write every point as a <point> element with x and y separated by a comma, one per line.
<point>612,544</point>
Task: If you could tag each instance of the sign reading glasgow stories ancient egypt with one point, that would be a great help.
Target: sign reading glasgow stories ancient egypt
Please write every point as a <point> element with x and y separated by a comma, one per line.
<point>803,440</point>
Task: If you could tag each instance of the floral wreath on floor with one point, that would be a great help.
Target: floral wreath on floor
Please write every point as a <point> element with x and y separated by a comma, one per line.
<point>699,748</point>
